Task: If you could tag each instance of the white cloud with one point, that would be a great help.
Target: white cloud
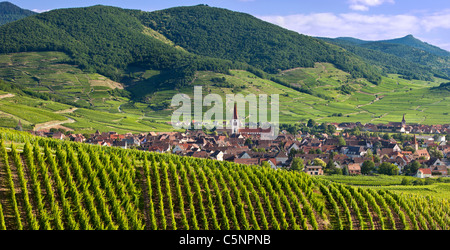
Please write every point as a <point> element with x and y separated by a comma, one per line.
<point>39,11</point>
<point>359,7</point>
<point>428,27</point>
<point>363,5</point>
<point>437,20</point>
<point>368,27</point>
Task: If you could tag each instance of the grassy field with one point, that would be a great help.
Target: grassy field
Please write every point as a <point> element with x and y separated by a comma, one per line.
<point>366,103</point>
<point>393,183</point>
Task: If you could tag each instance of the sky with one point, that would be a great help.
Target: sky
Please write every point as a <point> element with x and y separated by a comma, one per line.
<point>428,21</point>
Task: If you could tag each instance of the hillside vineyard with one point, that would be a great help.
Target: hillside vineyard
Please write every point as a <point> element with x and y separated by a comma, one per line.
<point>48,184</point>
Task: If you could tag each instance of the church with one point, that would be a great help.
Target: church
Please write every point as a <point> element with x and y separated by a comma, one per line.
<point>400,126</point>
<point>237,130</point>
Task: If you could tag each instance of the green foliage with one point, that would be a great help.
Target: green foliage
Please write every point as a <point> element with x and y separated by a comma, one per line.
<point>220,33</point>
<point>367,167</point>
<point>410,57</point>
<point>10,13</point>
<point>86,35</point>
<point>388,169</point>
<point>96,188</point>
<point>443,87</point>
<point>297,164</point>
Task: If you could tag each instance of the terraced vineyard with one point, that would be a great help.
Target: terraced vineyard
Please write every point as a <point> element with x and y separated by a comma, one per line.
<point>48,184</point>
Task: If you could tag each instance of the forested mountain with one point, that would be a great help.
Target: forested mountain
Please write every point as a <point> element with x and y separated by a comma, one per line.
<point>237,36</point>
<point>108,39</point>
<point>10,13</point>
<point>99,38</point>
<point>118,68</point>
<point>411,41</point>
<point>407,56</point>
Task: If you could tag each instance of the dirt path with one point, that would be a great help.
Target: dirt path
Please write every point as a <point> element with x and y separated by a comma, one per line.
<point>372,102</point>
<point>71,110</point>
<point>6,96</point>
<point>53,124</point>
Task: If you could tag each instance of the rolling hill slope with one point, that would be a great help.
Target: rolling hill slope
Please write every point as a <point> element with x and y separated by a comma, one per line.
<point>407,56</point>
<point>118,69</point>
<point>118,38</point>
<point>10,13</point>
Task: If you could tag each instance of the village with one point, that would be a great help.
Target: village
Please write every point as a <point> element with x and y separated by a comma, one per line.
<point>339,152</point>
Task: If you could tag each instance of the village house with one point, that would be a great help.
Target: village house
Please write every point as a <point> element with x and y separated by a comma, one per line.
<point>244,146</point>
<point>354,151</point>
<point>421,154</point>
<point>314,170</point>
<point>354,169</point>
<point>423,173</point>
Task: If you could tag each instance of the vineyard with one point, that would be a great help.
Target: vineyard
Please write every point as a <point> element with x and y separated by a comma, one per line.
<point>47,184</point>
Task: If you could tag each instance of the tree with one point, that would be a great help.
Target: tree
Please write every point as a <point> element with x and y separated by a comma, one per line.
<point>406,181</point>
<point>388,168</point>
<point>331,169</point>
<point>311,123</point>
<point>341,141</point>
<point>297,164</point>
<point>248,142</point>
<point>412,167</point>
<point>367,167</point>
<point>434,152</point>
<point>345,170</point>
<point>293,152</point>
<point>319,162</point>
<point>331,129</point>
<point>376,159</point>
<point>265,164</point>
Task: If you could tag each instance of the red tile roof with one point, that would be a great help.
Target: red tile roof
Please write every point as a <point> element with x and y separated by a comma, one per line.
<point>425,170</point>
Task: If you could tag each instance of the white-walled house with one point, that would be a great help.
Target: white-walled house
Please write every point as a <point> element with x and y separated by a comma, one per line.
<point>423,173</point>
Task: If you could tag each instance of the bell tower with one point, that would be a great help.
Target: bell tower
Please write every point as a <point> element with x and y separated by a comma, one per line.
<point>235,121</point>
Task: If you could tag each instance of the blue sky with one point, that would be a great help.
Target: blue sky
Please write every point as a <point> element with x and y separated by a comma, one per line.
<point>363,19</point>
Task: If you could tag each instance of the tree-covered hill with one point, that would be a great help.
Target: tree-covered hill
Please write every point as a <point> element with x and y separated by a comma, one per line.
<point>105,40</point>
<point>411,41</point>
<point>407,56</point>
<point>241,37</point>
<point>10,13</point>
<point>108,39</point>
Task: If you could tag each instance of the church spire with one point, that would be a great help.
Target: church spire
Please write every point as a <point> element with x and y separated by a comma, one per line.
<point>416,145</point>
<point>235,121</point>
<point>235,114</point>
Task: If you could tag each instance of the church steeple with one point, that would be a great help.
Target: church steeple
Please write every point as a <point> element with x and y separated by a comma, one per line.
<point>235,121</point>
<point>416,145</point>
<point>235,114</point>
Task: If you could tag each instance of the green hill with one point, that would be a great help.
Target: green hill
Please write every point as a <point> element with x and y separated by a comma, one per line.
<point>109,68</point>
<point>241,37</point>
<point>108,39</point>
<point>407,56</point>
<point>10,13</point>
<point>411,41</point>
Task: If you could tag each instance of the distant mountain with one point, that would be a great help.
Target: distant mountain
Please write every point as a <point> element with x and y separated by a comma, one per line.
<point>178,41</point>
<point>411,41</point>
<point>10,13</point>
<point>407,56</point>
